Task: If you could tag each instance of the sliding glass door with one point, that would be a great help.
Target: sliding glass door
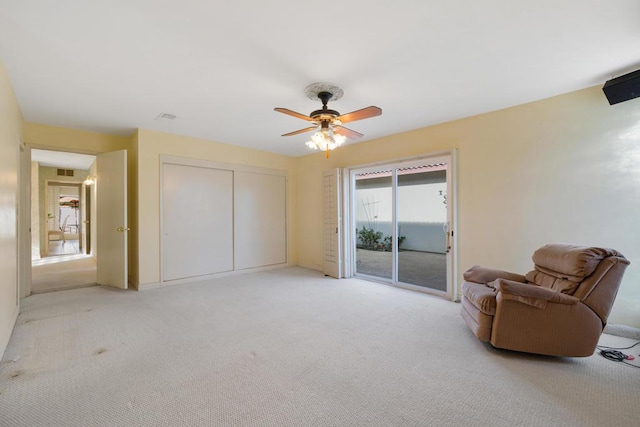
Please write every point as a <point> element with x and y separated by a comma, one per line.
<point>401,216</point>
<point>422,219</point>
<point>373,213</point>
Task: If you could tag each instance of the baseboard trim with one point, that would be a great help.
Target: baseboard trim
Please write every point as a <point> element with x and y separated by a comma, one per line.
<point>6,336</point>
<point>148,286</point>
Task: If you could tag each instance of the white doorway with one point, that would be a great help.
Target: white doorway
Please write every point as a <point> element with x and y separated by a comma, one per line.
<point>76,174</point>
<point>401,224</point>
<point>64,204</point>
<point>60,221</point>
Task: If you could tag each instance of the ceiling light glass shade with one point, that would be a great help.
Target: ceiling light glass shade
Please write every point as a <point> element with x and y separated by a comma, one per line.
<point>326,139</point>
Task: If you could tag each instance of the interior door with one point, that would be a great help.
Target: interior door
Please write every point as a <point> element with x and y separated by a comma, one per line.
<point>80,229</point>
<point>85,211</point>
<point>111,216</point>
<point>331,227</point>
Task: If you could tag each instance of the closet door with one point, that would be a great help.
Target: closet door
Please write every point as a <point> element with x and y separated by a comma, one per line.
<point>197,221</point>
<point>260,220</point>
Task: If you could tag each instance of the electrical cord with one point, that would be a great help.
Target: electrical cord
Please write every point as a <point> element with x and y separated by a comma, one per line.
<point>614,353</point>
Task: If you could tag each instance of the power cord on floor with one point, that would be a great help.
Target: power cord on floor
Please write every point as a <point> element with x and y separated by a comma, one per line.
<point>614,353</point>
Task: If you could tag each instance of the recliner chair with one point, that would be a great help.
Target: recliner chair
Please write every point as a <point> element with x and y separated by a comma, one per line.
<point>560,308</point>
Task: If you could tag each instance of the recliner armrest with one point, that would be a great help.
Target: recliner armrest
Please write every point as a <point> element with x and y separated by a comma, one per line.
<point>483,275</point>
<point>530,294</point>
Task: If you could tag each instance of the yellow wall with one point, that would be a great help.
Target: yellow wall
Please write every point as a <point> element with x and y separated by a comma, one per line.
<point>10,135</point>
<point>144,148</point>
<point>73,140</point>
<point>151,145</point>
<point>80,141</point>
<point>564,169</point>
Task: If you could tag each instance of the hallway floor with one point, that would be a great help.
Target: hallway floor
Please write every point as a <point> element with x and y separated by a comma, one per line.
<point>62,272</point>
<point>59,247</point>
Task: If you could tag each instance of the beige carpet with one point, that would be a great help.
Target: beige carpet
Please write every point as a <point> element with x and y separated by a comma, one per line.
<point>62,272</point>
<point>288,348</point>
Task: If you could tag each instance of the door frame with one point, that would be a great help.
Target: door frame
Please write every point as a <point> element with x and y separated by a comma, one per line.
<point>349,221</point>
<point>87,191</point>
<point>24,222</point>
<point>24,232</point>
<point>60,183</point>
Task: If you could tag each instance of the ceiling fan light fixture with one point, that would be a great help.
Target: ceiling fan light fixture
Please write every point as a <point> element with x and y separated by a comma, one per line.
<point>339,139</point>
<point>326,140</point>
<point>325,121</point>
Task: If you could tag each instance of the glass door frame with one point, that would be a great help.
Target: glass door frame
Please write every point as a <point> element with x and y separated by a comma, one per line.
<point>349,220</point>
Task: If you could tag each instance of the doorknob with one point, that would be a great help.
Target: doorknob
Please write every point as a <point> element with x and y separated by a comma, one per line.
<point>122,229</point>
<point>86,222</point>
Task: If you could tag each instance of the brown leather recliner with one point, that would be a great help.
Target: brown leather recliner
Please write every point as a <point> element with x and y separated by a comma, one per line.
<point>559,309</point>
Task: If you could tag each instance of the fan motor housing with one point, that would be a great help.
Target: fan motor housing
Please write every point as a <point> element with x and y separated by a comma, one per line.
<point>330,114</point>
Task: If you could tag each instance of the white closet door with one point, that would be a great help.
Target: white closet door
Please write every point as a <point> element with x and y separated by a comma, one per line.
<point>197,222</point>
<point>260,220</point>
<point>331,228</point>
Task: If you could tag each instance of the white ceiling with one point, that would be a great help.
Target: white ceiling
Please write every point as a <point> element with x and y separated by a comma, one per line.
<point>222,66</point>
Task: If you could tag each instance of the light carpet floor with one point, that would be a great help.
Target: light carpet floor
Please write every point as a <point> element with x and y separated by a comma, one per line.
<point>288,348</point>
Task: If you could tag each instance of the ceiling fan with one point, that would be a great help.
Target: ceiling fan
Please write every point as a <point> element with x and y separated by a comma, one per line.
<point>328,124</point>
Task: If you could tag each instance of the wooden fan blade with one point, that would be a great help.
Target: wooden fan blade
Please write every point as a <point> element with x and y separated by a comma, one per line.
<point>351,134</point>
<point>365,113</point>
<point>292,113</point>
<point>309,129</point>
